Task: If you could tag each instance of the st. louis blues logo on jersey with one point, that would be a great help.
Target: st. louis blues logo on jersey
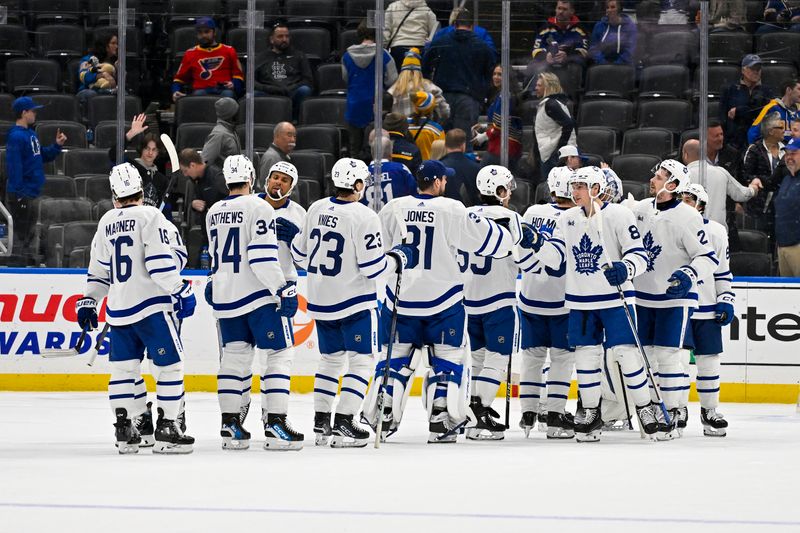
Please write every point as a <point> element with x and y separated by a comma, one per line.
<point>587,257</point>
<point>209,64</point>
<point>653,251</point>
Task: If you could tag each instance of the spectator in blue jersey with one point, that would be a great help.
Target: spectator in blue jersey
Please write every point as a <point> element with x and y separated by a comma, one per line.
<point>614,37</point>
<point>97,73</point>
<point>785,106</point>
<point>455,142</point>
<point>562,40</point>
<point>780,15</point>
<point>479,31</point>
<point>785,184</point>
<point>396,180</point>
<point>24,167</point>
<point>358,70</point>
<point>741,102</point>
<point>404,150</point>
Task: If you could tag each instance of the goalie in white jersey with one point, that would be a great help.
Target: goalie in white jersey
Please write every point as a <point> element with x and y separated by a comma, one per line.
<point>678,255</point>
<point>430,304</point>
<point>254,304</point>
<point>595,235</point>
<point>341,246</point>
<point>133,261</point>
<point>714,311</point>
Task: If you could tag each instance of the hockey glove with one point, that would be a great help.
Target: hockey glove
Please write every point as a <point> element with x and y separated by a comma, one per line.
<point>286,230</point>
<point>86,308</point>
<point>183,301</point>
<point>403,256</point>
<point>288,295</point>
<point>723,311</point>
<point>618,272</point>
<point>680,283</point>
<point>209,292</point>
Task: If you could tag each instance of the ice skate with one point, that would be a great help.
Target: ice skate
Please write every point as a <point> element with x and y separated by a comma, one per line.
<point>527,422</point>
<point>388,427</point>
<point>683,417</point>
<point>560,425</point>
<point>170,439</point>
<point>666,431</point>
<point>487,427</point>
<point>649,420</point>
<point>234,436</point>
<point>144,425</point>
<point>714,425</point>
<point>128,439</point>
<point>541,419</point>
<point>346,434</point>
<point>322,429</point>
<point>280,435</point>
<point>441,427</point>
<point>588,424</point>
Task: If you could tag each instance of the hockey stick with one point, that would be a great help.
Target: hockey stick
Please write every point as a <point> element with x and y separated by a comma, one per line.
<point>174,165</point>
<point>625,398</point>
<point>66,352</point>
<point>381,400</point>
<point>98,344</point>
<point>508,392</point>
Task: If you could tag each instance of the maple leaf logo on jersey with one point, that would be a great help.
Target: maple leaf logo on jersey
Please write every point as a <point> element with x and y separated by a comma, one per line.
<point>587,257</point>
<point>653,251</point>
<point>208,65</point>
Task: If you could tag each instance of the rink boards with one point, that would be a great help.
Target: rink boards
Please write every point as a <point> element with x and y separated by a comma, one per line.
<point>761,362</point>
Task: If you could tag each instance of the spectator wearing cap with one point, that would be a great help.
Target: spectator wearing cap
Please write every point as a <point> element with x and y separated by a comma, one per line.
<point>284,139</point>
<point>553,126</point>
<point>358,70</point>
<point>408,24</point>
<point>223,141</point>
<point>411,81</point>
<point>740,102</point>
<point>422,129</point>
<point>466,169</point>
<point>786,107</point>
<point>569,156</point>
<point>284,70</point>
<point>25,158</point>
<point>614,37</point>
<point>396,179</point>
<point>784,184</point>
<point>479,31</point>
<point>760,161</point>
<point>403,149</point>
<point>209,67</point>
<point>461,64</point>
<point>561,40</point>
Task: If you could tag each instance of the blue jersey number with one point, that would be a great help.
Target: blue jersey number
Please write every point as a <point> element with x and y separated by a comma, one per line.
<point>122,265</point>
<point>230,250</point>
<point>427,246</point>
<point>634,231</point>
<point>702,236</point>
<point>334,254</point>
<point>373,241</point>
<point>477,270</point>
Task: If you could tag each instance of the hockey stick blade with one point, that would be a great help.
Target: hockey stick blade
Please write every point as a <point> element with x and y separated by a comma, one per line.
<point>66,352</point>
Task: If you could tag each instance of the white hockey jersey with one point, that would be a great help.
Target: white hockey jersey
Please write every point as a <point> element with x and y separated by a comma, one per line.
<point>673,238</point>
<point>244,255</point>
<point>133,260</point>
<point>437,228</point>
<point>489,283</point>
<point>542,289</point>
<point>341,247</point>
<point>576,237</point>
<point>713,289</point>
<point>293,212</point>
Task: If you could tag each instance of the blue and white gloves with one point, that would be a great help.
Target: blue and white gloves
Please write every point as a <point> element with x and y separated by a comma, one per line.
<point>183,300</point>
<point>531,239</point>
<point>680,283</point>
<point>288,295</point>
<point>403,256</point>
<point>86,308</point>
<point>285,230</point>
<point>723,311</point>
<point>619,272</point>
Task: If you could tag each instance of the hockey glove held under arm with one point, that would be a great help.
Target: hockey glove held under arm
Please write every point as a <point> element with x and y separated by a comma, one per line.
<point>680,283</point>
<point>618,272</point>
<point>86,308</point>
<point>183,300</point>
<point>403,256</point>
<point>285,230</point>
<point>288,295</point>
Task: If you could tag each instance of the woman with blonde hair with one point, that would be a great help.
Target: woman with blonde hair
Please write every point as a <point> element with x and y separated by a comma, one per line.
<point>409,82</point>
<point>553,126</point>
<point>438,149</point>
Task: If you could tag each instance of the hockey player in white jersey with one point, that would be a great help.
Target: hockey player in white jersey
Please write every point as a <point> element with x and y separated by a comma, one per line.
<point>341,246</point>
<point>254,304</point>
<point>678,255</point>
<point>132,261</point>
<point>430,304</point>
<point>544,320</point>
<point>714,311</point>
<point>597,235</point>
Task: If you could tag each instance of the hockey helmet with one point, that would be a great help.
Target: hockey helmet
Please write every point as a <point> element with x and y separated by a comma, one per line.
<point>696,190</point>
<point>558,181</point>
<point>238,169</point>
<point>591,176</point>
<point>347,171</point>
<point>492,177</point>
<point>613,190</point>
<point>125,180</point>
<point>284,167</point>
<point>677,173</point>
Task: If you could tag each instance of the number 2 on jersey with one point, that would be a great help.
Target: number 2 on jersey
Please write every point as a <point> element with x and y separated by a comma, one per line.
<point>334,254</point>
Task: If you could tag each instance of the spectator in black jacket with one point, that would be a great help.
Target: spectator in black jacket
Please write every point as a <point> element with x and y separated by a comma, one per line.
<point>741,102</point>
<point>760,161</point>
<point>209,185</point>
<point>455,142</point>
<point>404,150</point>
<point>285,71</point>
<point>785,184</point>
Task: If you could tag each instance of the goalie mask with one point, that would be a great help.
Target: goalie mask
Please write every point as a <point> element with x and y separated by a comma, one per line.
<point>493,177</point>
<point>613,190</point>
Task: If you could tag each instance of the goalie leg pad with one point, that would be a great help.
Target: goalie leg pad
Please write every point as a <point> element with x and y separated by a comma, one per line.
<point>708,380</point>
<point>670,374</point>
<point>326,381</point>
<point>405,360</point>
<point>558,378</point>
<point>613,406</point>
<point>276,369</point>
<point>488,382</point>
<point>634,374</point>
<point>588,360</point>
<point>531,381</point>
<point>169,389</point>
<point>447,384</point>
<point>122,386</point>
<point>234,375</point>
<point>355,382</point>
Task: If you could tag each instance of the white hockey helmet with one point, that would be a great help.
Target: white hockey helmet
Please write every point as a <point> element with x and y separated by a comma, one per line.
<point>677,173</point>
<point>284,167</point>
<point>238,169</point>
<point>125,180</point>
<point>492,177</point>
<point>558,181</point>
<point>613,190</point>
<point>590,176</point>
<point>347,171</point>
<point>696,190</point>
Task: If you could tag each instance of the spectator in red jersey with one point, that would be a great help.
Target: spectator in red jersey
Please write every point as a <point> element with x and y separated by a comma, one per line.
<point>209,67</point>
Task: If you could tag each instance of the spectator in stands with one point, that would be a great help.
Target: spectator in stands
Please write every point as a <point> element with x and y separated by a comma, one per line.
<point>740,102</point>
<point>785,185</point>
<point>674,12</point>
<point>403,149</point>
<point>223,141</point>
<point>284,70</point>
<point>569,156</point>
<point>396,179</point>
<point>614,37</point>
<point>358,70</point>
<point>466,168</point>
<point>760,161</point>
<point>553,126</point>
<point>796,129</point>
<point>209,185</point>
<point>284,139</point>
<point>409,82</point>
<point>780,15</point>
<point>421,126</point>
<point>209,67</point>
<point>463,66</point>
<point>25,158</point>
<point>97,73</point>
<point>719,152</point>
<point>491,134</point>
<point>479,31</point>
<point>438,149</point>
<point>786,106</point>
<point>727,15</point>
<point>408,24</point>
<point>718,183</point>
<point>562,40</point>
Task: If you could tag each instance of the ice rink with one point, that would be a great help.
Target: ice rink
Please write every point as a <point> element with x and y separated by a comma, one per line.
<point>60,473</point>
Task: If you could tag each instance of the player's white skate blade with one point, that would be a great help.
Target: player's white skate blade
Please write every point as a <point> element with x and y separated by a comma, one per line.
<point>321,439</point>
<point>168,448</point>
<point>148,441</point>
<point>442,438</point>
<point>229,443</point>
<point>273,444</point>
<point>666,435</point>
<point>709,431</point>
<point>592,436</point>
<point>123,448</point>
<point>484,434</point>
<point>615,425</point>
<point>560,433</point>
<point>342,441</point>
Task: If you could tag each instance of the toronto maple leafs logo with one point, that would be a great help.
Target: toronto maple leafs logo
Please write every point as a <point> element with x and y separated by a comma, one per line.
<point>653,251</point>
<point>587,257</point>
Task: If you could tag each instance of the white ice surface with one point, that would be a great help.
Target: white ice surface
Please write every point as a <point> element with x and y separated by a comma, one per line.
<point>59,472</point>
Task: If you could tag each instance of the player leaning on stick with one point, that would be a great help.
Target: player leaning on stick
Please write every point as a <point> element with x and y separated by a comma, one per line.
<point>714,311</point>
<point>678,254</point>
<point>132,261</point>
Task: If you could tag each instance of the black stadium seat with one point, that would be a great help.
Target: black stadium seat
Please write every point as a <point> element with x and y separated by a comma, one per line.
<point>60,41</point>
<point>102,12</point>
<point>610,80</point>
<point>262,135</point>
<point>665,81</point>
<point>330,80</point>
<point>751,240</point>
<point>55,11</point>
<point>346,38</point>
<point>542,195</point>
<point>324,138</point>
<point>197,109</point>
<point>673,48</point>
<point>58,211</point>
<point>100,208</point>
<point>313,10</point>
<point>186,12</point>
<point>729,46</point>
<point>608,112</point>
<point>635,167</point>
<point>104,107</point>
<point>32,76</point>
<point>673,115</point>
<point>751,264</point>
<point>58,107</point>
<point>268,110</point>
<point>96,188</point>
<point>237,37</point>
<point>778,45</point>
<point>313,41</point>
<point>649,141</point>
<point>105,133</point>
<point>63,239</point>
<point>719,77</point>
<point>46,130</point>
<point>89,161</point>
<point>270,8</point>
<point>192,135</point>
<point>59,187</point>
<point>309,164</point>
<point>181,40</point>
<point>638,190</point>
<point>13,41</point>
<point>774,74</point>
<point>598,140</point>
<point>323,110</point>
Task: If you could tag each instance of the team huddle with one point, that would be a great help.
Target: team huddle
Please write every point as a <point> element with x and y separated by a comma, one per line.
<point>616,291</point>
